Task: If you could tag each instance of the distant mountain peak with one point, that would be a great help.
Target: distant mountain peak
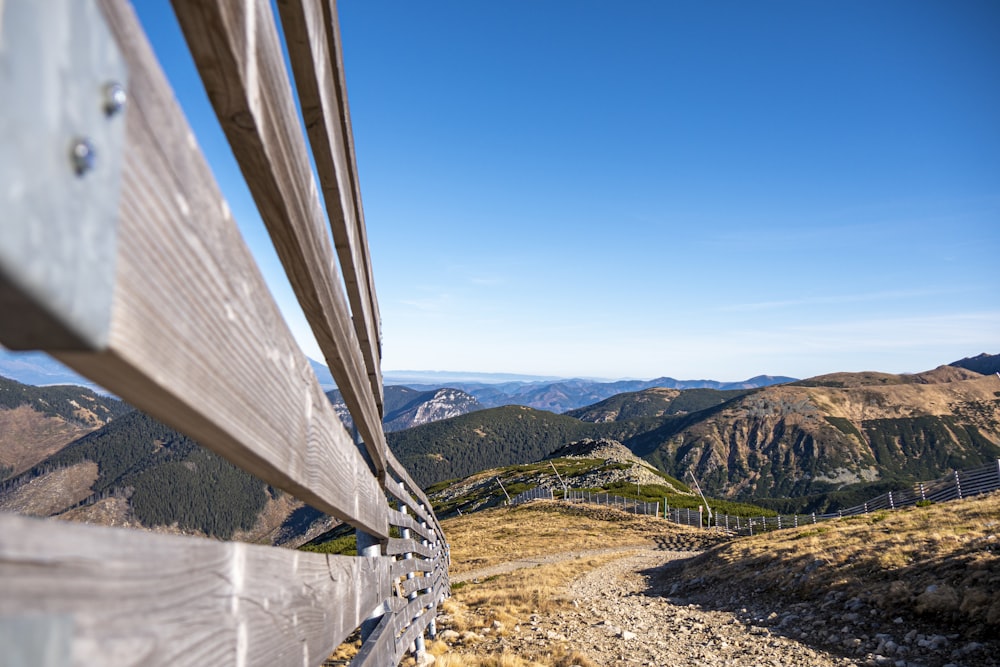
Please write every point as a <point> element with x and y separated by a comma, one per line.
<point>987,364</point>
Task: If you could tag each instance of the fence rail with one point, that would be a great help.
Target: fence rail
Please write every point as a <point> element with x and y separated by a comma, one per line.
<point>185,329</point>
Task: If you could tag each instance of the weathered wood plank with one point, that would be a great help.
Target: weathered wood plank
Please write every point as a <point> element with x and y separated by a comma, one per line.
<point>333,38</point>
<point>239,57</point>
<point>420,497</point>
<point>395,546</point>
<point>422,583</point>
<point>401,568</point>
<point>379,649</point>
<point>195,339</point>
<point>397,518</point>
<point>312,37</point>
<point>138,598</point>
<point>404,495</point>
<point>418,613</point>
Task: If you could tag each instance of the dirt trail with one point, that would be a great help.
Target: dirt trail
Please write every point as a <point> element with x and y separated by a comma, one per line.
<point>616,620</point>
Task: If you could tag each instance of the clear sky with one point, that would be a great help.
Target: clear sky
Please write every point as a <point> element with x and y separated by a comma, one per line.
<point>636,189</point>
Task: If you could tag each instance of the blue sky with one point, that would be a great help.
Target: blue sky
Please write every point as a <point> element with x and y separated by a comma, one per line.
<point>694,189</point>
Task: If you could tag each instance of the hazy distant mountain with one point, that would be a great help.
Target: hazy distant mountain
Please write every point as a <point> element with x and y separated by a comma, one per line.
<point>981,363</point>
<point>564,395</point>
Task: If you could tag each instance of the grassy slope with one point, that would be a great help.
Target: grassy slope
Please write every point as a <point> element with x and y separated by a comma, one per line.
<point>939,563</point>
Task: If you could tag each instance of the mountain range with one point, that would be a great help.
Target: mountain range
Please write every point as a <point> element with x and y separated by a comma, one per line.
<point>818,440</point>
<point>73,453</point>
<point>563,395</point>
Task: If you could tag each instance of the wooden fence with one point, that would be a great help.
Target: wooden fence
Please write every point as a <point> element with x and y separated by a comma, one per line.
<point>120,257</point>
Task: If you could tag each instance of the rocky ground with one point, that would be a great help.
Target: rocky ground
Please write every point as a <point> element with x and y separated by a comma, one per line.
<point>629,612</point>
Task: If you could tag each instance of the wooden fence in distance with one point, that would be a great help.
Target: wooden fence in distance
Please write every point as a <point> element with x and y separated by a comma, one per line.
<point>121,258</point>
<point>953,486</point>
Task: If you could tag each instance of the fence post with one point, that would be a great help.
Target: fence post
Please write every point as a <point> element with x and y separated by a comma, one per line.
<point>751,525</point>
<point>795,520</point>
<point>779,522</point>
<point>700,517</point>
<point>892,505</point>
<point>369,547</point>
<point>866,508</point>
<point>418,647</point>
<point>432,626</point>
<point>998,471</point>
<point>727,523</point>
<point>814,517</point>
<point>924,497</point>
<point>958,485</point>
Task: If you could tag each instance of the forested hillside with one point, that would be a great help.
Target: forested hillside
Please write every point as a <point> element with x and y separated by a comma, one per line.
<point>36,422</point>
<point>166,477</point>
<point>494,438</point>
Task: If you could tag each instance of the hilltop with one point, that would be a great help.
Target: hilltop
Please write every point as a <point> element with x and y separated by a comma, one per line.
<point>604,466</point>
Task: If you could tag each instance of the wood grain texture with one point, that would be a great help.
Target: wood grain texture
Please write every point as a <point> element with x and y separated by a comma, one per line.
<point>238,53</point>
<point>424,583</point>
<point>312,38</point>
<point>138,598</point>
<point>196,341</point>
<point>379,649</point>
<point>406,490</point>
<point>396,546</point>
<point>397,518</point>
<point>401,568</point>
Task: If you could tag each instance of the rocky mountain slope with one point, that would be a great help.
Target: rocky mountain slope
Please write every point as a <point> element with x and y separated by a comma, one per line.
<point>821,434</point>
<point>406,407</point>
<point>981,363</point>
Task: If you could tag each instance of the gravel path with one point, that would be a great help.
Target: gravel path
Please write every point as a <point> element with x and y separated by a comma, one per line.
<point>615,622</point>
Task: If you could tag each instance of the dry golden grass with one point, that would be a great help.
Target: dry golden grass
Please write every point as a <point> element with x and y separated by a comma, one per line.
<point>498,604</point>
<point>890,558</point>
<point>506,534</point>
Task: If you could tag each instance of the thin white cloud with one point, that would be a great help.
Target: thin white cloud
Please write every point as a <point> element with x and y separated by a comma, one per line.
<point>833,299</point>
